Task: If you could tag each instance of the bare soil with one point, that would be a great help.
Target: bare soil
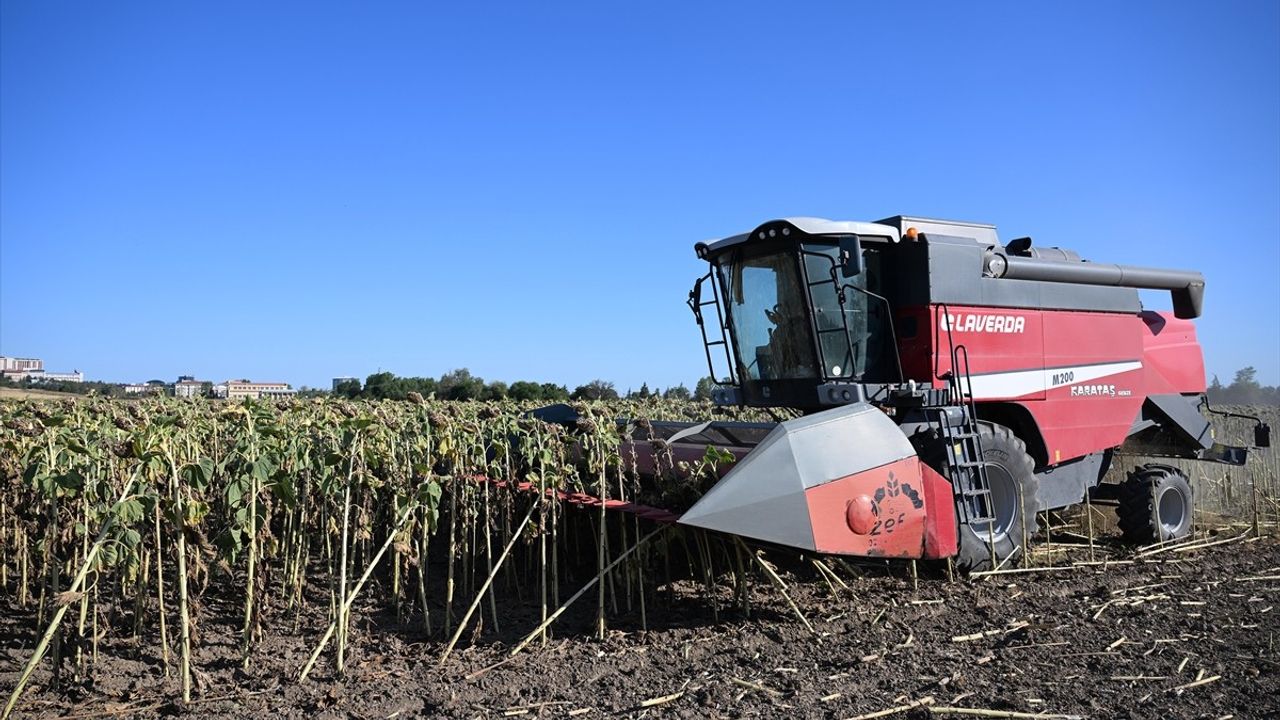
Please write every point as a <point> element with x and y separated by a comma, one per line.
<point>1090,641</point>
<point>10,393</point>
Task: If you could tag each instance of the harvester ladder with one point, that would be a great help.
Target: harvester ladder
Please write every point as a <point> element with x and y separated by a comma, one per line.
<point>958,428</point>
<point>696,304</point>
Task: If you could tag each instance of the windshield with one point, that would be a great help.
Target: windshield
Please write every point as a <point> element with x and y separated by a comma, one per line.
<point>767,312</point>
<point>767,302</point>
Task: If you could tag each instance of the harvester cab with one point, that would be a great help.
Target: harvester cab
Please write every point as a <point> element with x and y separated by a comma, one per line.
<point>805,322</point>
<point>950,386</point>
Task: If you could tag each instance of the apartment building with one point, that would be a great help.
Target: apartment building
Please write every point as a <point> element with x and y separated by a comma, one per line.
<point>188,387</point>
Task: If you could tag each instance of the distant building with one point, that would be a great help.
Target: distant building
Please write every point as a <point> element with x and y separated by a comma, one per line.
<point>188,387</point>
<point>235,389</point>
<point>339,380</point>
<point>73,376</point>
<point>20,365</point>
<point>18,369</point>
<point>151,387</point>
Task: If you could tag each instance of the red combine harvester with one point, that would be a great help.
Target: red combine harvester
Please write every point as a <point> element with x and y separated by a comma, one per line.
<point>952,386</point>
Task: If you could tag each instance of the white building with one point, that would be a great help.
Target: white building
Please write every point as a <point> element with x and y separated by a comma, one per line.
<point>235,389</point>
<point>19,369</point>
<point>20,365</point>
<point>188,388</point>
<point>73,376</point>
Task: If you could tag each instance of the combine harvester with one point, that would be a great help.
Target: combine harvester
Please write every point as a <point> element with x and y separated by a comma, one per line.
<point>952,387</point>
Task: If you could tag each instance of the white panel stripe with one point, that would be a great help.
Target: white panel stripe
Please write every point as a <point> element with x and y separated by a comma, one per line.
<point>1025,382</point>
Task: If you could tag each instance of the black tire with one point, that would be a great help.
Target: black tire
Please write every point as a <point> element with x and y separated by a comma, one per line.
<point>1156,504</point>
<point>1011,473</point>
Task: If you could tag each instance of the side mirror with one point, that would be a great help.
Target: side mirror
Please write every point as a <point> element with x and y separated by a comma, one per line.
<point>850,255</point>
<point>1262,435</point>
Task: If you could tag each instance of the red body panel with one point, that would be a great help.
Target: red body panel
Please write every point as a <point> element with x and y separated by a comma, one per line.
<point>895,510</point>
<point>1171,355</point>
<point>1082,376</point>
<point>941,539</point>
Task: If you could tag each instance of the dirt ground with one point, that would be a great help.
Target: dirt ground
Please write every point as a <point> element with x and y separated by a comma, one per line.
<point>1129,640</point>
<point>9,393</point>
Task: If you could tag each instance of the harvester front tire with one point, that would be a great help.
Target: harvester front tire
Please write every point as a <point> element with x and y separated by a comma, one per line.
<point>1011,472</point>
<point>1156,505</point>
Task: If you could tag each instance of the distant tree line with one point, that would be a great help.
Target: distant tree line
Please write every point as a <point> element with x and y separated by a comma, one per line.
<point>454,385</point>
<point>1243,390</point>
<point>675,392</point>
<point>462,385</point>
<point>80,388</point>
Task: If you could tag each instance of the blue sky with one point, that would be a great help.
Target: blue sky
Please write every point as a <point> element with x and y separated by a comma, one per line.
<point>294,192</point>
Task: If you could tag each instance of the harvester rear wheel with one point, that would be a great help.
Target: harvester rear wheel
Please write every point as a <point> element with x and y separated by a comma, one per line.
<point>1011,474</point>
<point>1156,504</point>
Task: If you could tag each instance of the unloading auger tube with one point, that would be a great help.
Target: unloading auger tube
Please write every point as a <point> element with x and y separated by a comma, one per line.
<point>1186,286</point>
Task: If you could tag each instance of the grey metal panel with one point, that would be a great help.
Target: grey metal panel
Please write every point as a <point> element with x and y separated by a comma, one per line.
<point>955,277</point>
<point>1066,484</point>
<point>809,226</point>
<point>822,226</point>
<point>980,232</point>
<point>1053,253</point>
<point>1184,419</point>
<point>832,444</point>
<point>763,495</point>
<point>715,246</point>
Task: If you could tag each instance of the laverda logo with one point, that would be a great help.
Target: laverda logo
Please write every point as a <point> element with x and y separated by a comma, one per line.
<point>971,322</point>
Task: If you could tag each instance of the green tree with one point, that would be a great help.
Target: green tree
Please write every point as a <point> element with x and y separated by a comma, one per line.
<point>595,390</point>
<point>704,388</point>
<point>524,390</point>
<point>496,390</point>
<point>384,386</point>
<point>460,384</point>
<point>424,386</point>
<point>1244,388</point>
<point>347,388</point>
<point>677,392</point>
<point>554,393</point>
